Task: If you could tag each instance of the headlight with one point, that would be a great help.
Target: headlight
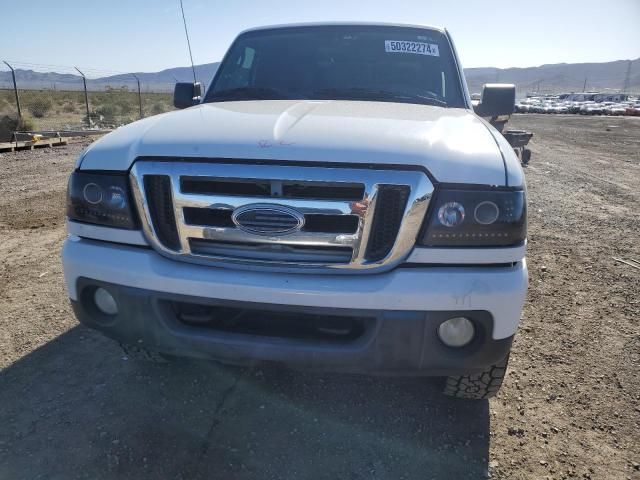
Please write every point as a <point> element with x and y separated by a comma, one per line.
<point>461,218</point>
<point>101,199</point>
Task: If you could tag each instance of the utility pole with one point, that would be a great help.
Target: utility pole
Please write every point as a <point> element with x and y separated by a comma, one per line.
<point>15,90</point>
<point>86,96</point>
<point>139,94</point>
<point>627,78</point>
<point>584,87</point>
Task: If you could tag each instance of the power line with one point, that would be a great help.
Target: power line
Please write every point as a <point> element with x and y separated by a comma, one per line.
<point>48,67</point>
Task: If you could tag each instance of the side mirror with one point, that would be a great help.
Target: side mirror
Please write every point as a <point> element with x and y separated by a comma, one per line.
<point>186,94</point>
<point>498,99</point>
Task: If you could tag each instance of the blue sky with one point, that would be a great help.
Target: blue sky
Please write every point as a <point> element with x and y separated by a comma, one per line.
<point>139,35</point>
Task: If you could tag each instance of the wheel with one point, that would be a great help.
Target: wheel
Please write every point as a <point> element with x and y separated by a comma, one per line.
<point>526,156</point>
<point>139,353</point>
<point>479,385</point>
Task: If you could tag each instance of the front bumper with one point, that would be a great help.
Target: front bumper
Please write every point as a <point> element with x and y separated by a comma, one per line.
<point>390,342</point>
<point>403,308</point>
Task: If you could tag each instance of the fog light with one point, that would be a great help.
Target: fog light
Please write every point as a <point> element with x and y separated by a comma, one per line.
<point>456,332</point>
<point>105,302</point>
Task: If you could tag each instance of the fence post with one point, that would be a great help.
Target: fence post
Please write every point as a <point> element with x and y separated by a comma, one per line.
<point>86,96</point>
<point>139,95</point>
<point>15,90</point>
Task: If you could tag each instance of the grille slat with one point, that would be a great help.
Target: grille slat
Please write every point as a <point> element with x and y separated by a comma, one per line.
<point>286,253</point>
<point>392,200</point>
<point>214,217</point>
<point>275,188</point>
<point>158,192</point>
<point>331,223</point>
<point>277,215</point>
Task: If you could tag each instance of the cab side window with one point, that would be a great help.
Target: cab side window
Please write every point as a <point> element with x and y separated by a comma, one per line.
<point>241,76</point>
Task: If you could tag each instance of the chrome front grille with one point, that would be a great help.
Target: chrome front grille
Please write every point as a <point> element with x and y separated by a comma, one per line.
<point>276,216</point>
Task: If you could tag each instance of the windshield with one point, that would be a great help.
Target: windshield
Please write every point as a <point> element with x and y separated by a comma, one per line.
<point>375,63</point>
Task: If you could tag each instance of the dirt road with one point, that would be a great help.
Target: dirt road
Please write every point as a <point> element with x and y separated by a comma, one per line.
<point>72,407</point>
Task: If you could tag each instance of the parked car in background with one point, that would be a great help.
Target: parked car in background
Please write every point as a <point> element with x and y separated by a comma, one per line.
<point>616,109</point>
<point>633,110</point>
<point>583,104</point>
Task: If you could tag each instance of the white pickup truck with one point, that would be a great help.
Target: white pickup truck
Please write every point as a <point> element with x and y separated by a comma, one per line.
<point>330,202</point>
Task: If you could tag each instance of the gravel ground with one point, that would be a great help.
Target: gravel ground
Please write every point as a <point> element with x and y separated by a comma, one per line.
<point>73,407</point>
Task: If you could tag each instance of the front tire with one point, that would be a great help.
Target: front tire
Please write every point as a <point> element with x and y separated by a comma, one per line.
<point>477,386</point>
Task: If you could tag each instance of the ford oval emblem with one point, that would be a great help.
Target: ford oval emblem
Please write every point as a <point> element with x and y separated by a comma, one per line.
<point>266,219</point>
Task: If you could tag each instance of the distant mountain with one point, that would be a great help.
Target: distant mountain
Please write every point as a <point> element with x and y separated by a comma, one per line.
<point>561,77</point>
<point>156,81</point>
<point>204,74</point>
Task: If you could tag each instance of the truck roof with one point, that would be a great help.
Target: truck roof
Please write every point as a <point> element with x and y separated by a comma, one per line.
<point>330,24</point>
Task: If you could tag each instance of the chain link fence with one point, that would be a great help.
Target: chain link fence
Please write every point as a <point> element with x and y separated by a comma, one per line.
<point>54,98</point>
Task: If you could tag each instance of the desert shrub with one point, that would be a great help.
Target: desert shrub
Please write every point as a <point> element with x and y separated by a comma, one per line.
<point>108,112</point>
<point>93,116</point>
<point>98,98</point>
<point>125,107</point>
<point>69,107</point>
<point>39,105</point>
<point>26,125</point>
<point>5,106</point>
<point>10,124</point>
<point>157,108</point>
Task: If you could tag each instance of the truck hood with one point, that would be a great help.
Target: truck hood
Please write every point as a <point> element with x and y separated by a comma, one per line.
<point>454,145</point>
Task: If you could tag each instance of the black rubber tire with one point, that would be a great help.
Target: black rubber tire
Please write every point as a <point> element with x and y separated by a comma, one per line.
<point>477,386</point>
<point>139,353</point>
<point>526,156</point>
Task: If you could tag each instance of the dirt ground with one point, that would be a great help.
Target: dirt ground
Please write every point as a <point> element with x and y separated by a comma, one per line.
<point>71,406</point>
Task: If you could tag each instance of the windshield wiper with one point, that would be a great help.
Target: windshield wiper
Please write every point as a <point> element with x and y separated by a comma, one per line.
<point>248,93</point>
<point>361,93</point>
<point>432,100</point>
